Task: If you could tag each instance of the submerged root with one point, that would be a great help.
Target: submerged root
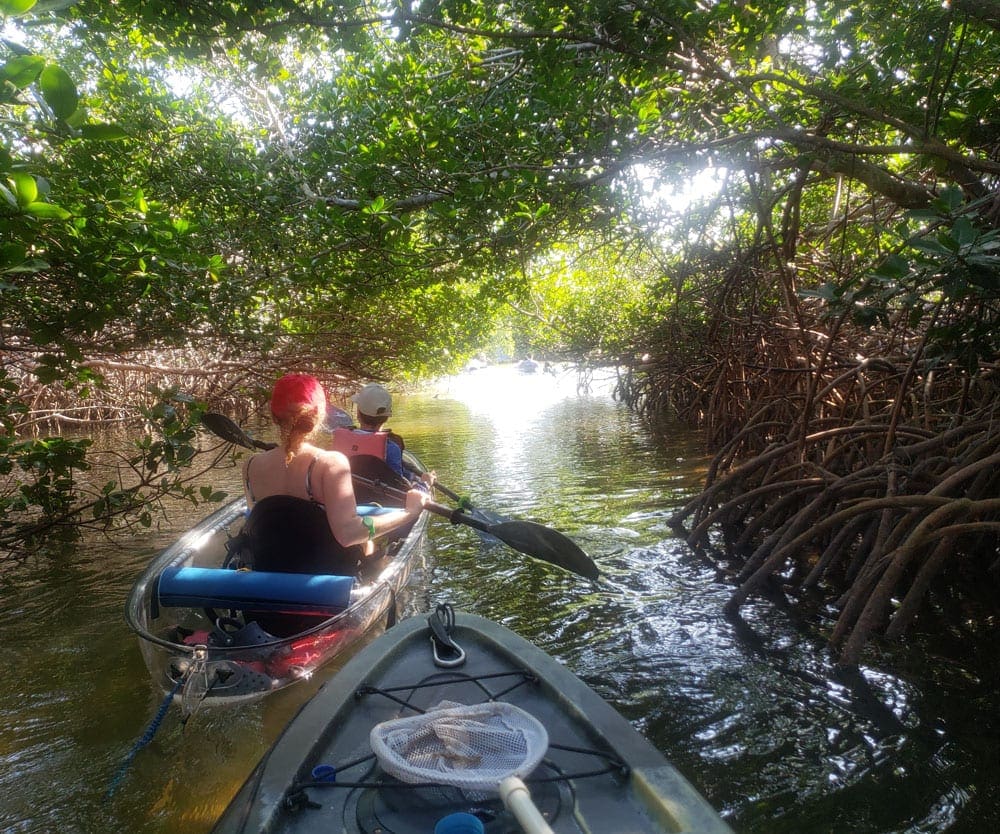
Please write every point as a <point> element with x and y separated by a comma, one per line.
<point>860,539</point>
<point>876,493</point>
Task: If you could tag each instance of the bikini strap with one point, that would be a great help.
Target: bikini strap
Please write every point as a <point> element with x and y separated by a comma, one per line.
<point>246,481</point>
<point>309,486</point>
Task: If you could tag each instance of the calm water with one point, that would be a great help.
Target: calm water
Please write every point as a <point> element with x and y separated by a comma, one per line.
<point>755,716</point>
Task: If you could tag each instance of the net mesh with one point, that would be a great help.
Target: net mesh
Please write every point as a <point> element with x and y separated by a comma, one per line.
<point>465,746</point>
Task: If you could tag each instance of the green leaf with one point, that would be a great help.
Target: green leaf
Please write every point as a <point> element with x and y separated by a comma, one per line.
<point>58,90</point>
<point>47,211</point>
<point>22,70</point>
<point>892,267</point>
<point>8,196</point>
<point>949,200</point>
<point>78,118</point>
<point>15,7</point>
<point>102,132</point>
<point>28,267</point>
<point>921,215</point>
<point>25,188</point>
<point>826,291</point>
<point>930,246</point>
<point>963,231</point>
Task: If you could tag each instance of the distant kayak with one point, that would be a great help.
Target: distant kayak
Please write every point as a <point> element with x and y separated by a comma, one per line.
<point>468,701</point>
<point>528,366</point>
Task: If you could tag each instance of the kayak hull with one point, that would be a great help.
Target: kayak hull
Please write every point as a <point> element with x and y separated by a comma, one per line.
<point>598,774</point>
<point>181,645</point>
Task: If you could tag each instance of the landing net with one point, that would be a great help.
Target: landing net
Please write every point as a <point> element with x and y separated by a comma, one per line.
<point>473,746</point>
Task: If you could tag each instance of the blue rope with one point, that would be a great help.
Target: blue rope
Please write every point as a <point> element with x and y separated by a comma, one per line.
<point>147,737</point>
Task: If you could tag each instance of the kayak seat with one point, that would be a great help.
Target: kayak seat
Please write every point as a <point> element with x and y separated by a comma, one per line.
<point>292,535</point>
<point>377,470</point>
<point>285,535</point>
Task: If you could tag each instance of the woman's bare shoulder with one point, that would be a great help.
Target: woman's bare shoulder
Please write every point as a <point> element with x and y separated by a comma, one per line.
<point>331,459</point>
<point>261,458</point>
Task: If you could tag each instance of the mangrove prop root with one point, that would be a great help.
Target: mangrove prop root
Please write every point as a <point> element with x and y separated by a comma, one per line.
<point>881,494</point>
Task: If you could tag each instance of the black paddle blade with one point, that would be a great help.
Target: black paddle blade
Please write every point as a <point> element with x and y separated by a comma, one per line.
<point>221,426</point>
<point>546,544</point>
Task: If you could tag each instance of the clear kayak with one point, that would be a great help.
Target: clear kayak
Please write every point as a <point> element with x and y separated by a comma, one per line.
<point>583,768</point>
<point>201,624</point>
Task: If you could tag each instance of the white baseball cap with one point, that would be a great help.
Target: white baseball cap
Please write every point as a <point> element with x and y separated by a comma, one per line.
<point>373,400</point>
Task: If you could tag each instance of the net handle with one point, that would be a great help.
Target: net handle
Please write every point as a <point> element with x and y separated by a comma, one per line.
<point>517,800</point>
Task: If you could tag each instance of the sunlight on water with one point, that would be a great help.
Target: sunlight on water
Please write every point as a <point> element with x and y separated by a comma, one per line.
<point>504,405</point>
<point>512,400</point>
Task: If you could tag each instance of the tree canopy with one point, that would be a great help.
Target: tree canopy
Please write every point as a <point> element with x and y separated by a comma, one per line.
<point>358,175</point>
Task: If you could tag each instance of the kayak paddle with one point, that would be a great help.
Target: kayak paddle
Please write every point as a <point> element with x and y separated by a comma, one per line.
<point>414,465</point>
<point>528,537</point>
<point>337,418</point>
<point>221,426</point>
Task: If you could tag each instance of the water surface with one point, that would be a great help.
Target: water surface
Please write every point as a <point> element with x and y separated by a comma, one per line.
<point>754,714</point>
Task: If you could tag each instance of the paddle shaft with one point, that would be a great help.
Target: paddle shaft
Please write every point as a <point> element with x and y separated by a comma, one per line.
<point>413,462</point>
<point>456,516</point>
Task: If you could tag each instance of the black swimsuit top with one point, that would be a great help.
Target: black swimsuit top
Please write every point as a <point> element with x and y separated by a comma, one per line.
<point>292,535</point>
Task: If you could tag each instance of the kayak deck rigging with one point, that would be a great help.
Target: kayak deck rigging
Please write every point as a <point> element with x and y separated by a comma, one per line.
<point>596,774</point>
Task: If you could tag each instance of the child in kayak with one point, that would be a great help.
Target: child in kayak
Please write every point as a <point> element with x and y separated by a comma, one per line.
<point>374,405</point>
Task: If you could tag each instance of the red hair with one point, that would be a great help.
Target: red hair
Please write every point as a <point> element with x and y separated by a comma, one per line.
<point>298,406</point>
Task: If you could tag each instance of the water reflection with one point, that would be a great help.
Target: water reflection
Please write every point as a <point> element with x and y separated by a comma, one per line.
<point>753,712</point>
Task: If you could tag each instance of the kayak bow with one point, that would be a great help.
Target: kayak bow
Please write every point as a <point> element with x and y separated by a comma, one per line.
<point>330,771</point>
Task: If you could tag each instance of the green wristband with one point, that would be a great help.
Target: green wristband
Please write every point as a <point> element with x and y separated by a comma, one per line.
<point>369,524</point>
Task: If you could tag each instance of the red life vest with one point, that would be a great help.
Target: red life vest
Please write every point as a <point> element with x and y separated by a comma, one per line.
<point>353,442</point>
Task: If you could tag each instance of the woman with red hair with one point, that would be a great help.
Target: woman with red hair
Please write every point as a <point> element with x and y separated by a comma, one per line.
<point>300,494</point>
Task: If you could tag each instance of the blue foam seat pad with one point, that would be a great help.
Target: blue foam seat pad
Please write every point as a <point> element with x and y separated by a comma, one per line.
<point>375,509</point>
<point>290,593</point>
